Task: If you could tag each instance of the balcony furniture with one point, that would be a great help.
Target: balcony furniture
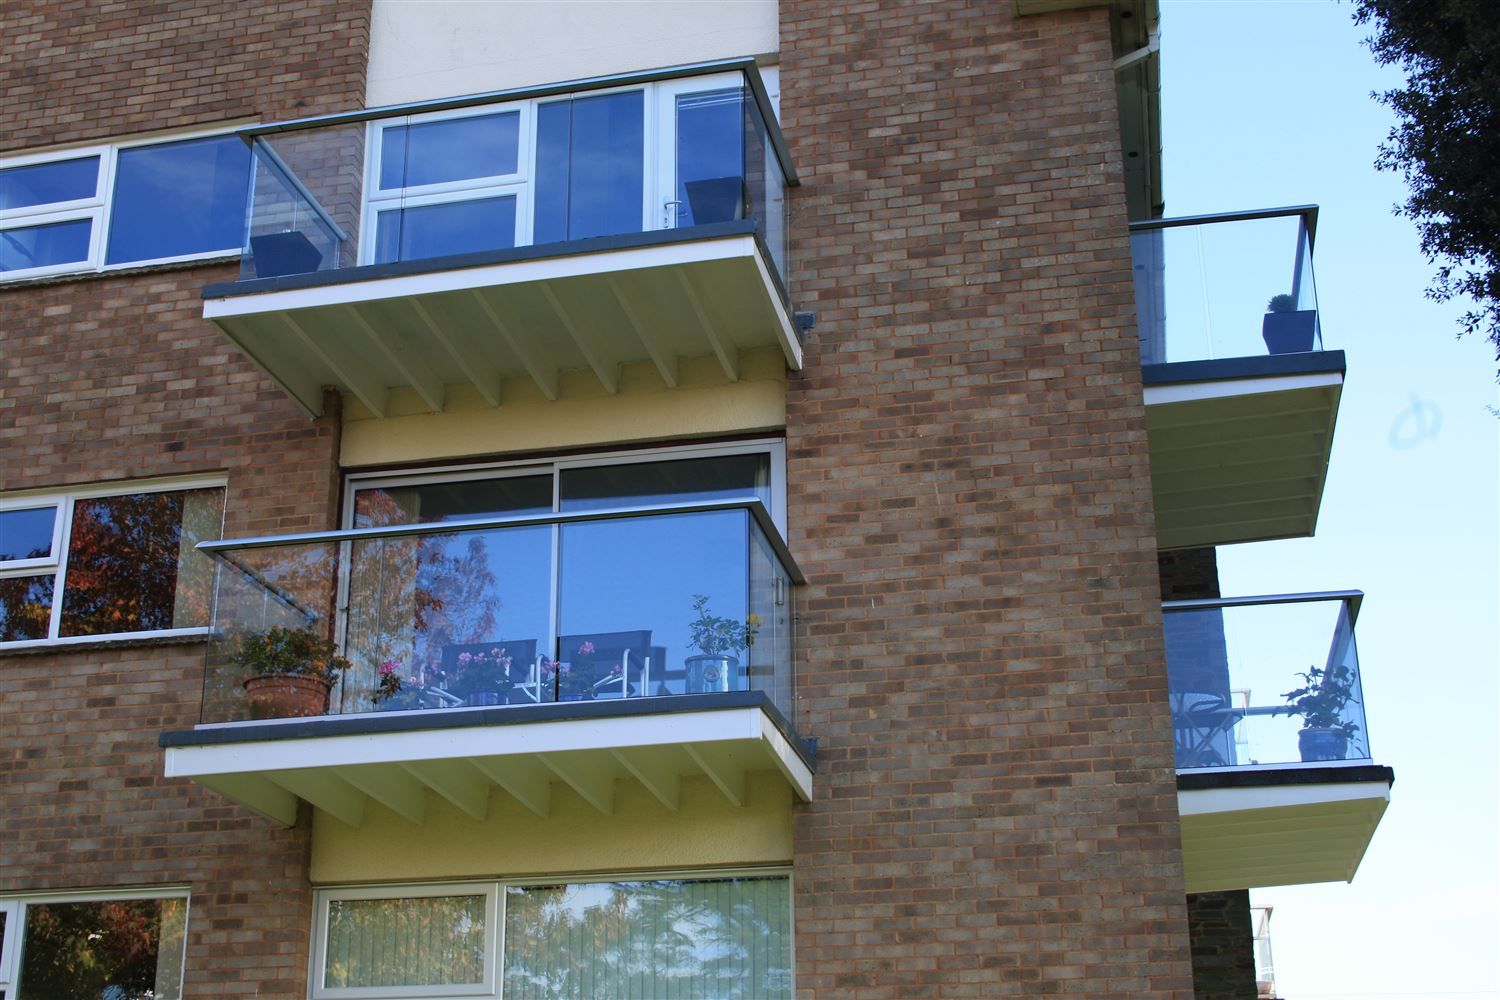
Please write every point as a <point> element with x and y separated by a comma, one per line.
<point>277,254</point>
<point>1202,729</point>
<point>630,651</point>
<point>521,674</point>
<point>716,199</point>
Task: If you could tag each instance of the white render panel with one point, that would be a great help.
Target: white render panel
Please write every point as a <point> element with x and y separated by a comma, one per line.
<point>428,49</point>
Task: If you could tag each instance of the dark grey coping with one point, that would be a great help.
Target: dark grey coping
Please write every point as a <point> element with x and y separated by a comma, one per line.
<point>374,723</point>
<point>1257,366</point>
<point>1192,781</point>
<point>485,258</point>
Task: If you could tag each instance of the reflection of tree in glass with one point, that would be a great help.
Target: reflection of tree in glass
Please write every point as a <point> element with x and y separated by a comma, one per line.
<point>82,951</point>
<point>25,604</point>
<point>123,560</point>
<point>410,597</point>
<point>421,941</point>
<point>725,938</point>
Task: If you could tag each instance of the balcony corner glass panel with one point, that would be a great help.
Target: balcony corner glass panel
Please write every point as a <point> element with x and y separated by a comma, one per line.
<point>1232,286</point>
<point>1271,681</point>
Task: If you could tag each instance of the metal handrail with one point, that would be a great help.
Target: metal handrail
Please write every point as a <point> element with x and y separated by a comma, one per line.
<point>1309,214</point>
<point>1353,597</point>
<point>757,510</point>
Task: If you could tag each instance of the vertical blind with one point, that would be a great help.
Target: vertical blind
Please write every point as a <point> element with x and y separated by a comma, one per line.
<point>660,940</point>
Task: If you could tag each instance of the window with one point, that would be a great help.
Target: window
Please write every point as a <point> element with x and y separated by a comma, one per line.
<point>96,564</point>
<point>121,946</point>
<point>727,936</point>
<point>122,205</point>
<point>662,156</point>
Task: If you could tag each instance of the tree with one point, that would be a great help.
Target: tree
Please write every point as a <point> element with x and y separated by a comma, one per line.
<point>1446,143</point>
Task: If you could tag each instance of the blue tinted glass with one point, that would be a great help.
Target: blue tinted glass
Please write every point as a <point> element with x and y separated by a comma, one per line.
<point>710,157</point>
<point>454,150</point>
<point>45,183</point>
<point>39,246</point>
<point>439,230</point>
<point>590,167</point>
<point>26,534</point>
<point>179,198</point>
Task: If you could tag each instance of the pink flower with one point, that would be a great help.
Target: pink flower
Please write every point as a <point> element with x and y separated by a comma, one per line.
<point>464,658</point>
<point>586,649</point>
<point>388,668</point>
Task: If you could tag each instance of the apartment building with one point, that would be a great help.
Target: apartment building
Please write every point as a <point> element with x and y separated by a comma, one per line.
<point>646,499</point>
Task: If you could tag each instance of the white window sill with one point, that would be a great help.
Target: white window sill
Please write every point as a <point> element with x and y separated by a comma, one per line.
<point>164,637</point>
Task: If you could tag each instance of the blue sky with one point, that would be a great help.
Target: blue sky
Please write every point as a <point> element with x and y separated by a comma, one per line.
<point>1266,103</point>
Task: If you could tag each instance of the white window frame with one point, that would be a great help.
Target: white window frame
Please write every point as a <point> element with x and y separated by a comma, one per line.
<point>378,200</point>
<point>495,923</point>
<point>658,151</point>
<point>97,209</point>
<point>13,567</point>
<point>62,529</point>
<point>14,907</point>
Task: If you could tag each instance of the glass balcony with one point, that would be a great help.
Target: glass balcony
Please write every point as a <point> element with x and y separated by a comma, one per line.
<point>636,220</point>
<point>1236,285</point>
<point>509,171</point>
<point>645,604</point>
<point>1265,681</point>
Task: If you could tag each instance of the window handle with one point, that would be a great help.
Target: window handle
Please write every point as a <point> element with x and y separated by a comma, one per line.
<point>669,210</point>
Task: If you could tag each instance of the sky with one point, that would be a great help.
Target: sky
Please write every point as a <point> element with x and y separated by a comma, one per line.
<point>1267,103</point>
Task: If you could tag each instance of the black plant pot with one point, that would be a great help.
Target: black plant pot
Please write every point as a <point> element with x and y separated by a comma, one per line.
<point>277,254</point>
<point>1322,744</point>
<point>1289,332</point>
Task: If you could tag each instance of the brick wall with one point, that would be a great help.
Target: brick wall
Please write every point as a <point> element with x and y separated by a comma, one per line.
<point>1223,945</point>
<point>87,69</point>
<point>110,377</point>
<point>980,643</point>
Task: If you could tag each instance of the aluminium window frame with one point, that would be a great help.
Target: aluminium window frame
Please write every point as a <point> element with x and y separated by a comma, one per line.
<point>495,913</point>
<point>98,209</point>
<point>14,905</point>
<point>64,502</point>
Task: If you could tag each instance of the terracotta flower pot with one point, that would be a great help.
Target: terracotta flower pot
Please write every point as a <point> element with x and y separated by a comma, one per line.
<point>286,696</point>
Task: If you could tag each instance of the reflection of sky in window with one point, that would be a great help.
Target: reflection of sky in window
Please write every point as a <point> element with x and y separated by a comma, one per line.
<point>178,198</point>
<point>45,183</point>
<point>590,166</point>
<point>710,140</point>
<point>26,534</point>
<point>442,151</point>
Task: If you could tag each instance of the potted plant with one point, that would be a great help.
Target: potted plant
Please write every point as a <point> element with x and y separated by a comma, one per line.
<point>289,671</point>
<point>1320,701</point>
<point>571,681</point>
<point>715,636</point>
<point>1287,329</point>
<point>481,677</point>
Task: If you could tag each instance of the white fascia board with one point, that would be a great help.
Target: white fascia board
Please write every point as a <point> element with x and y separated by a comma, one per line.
<point>1217,801</point>
<point>791,764</point>
<point>485,276</point>
<point>1192,392</point>
<point>665,729</point>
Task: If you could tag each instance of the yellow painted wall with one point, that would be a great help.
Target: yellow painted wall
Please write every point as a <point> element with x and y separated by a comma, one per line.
<point>706,831</point>
<point>703,404</point>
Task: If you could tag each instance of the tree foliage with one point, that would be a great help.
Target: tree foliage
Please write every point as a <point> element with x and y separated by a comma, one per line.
<point>1446,143</point>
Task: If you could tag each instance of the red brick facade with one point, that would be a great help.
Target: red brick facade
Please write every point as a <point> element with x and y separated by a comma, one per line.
<point>118,377</point>
<point>981,647</point>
